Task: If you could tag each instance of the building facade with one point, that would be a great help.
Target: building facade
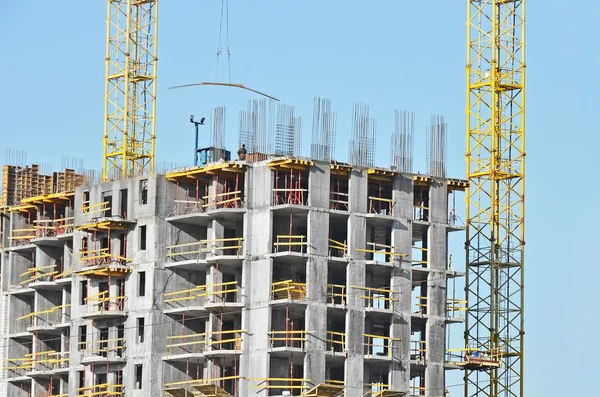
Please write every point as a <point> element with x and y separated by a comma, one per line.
<point>254,279</point>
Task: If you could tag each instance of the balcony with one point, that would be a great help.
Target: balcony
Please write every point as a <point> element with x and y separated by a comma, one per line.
<point>52,232</point>
<point>104,390</point>
<point>380,254</point>
<point>41,277</point>
<point>290,248</point>
<point>378,347</point>
<point>102,305</point>
<point>280,386</point>
<point>336,296</point>
<point>17,367</point>
<point>102,263</point>
<point>288,291</point>
<point>51,320</point>
<point>197,300</point>
<point>454,309</point>
<point>337,250</point>
<point>336,343</point>
<point>49,363</point>
<point>196,255</point>
<point>213,344</point>
<point>377,299</point>
<point>103,351</point>
<point>20,239</point>
<point>287,342</point>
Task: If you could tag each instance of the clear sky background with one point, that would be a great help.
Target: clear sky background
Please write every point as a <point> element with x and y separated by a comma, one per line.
<point>407,55</point>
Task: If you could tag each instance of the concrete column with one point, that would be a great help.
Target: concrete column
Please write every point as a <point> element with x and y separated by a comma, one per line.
<point>355,317</point>
<point>316,274</point>
<point>401,283</point>
<point>436,290</point>
<point>257,273</point>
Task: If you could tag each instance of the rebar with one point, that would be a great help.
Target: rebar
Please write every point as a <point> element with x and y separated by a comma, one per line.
<point>257,125</point>
<point>323,130</point>
<point>362,145</point>
<point>219,127</point>
<point>288,131</point>
<point>401,156</point>
<point>436,146</point>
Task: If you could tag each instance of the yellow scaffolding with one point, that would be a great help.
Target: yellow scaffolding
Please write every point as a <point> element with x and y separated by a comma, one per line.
<point>204,387</point>
<point>23,236</point>
<point>378,345</point>
<point>325,390</point>
<point>418,350</point>
<point>377,298</point>
<point>101,257</point>
<point>54,227</point>
<point>288,289</point>
<point>227,199</point>
<point>424,253</point>
<point>294,243</point>
<point>105,346</point>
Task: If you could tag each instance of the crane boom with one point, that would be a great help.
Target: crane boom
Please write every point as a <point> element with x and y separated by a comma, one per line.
<point>495,160</point>
<point>130,95</point>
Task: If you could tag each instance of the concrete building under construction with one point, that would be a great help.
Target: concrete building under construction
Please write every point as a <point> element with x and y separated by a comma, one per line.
<point>268,278</point>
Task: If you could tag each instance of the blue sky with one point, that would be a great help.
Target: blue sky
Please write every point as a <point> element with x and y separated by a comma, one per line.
<point>387,54</point>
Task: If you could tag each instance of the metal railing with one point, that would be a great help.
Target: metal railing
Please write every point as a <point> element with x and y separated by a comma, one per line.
<point>377,298</point>
<point>288,289</point>
<point>293,243</point>
<point>336,342</point>
<point>295,339</point>
<point>378,345</point>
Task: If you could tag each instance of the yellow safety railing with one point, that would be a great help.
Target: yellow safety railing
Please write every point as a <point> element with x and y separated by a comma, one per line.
<point>38,274</point>
<point>417,391</point>
<point>377,298</point>
<point>198,250</point>
<point>64,274</point>
<point>280,383</point>
<point>101,390</point>
<point>374,388</point>
<point>95,208</point>
<point>454,307</point>
<point>198,382</point>
<point>339,201</point>
<point>50,317</point>
<point>202,294</point>
<point>49,360</point>
<point>418,350</point>
<point>102,347</point>
<point>185,207</point>
<point>334,382</point>
<point>224,200</point>
<point>336,342</point>
<point>295,339</point>
<point>22,236</point>
<point>379,205</point>
<point>424,252</point>
<point>102,302</point>
<point>54,227</point>
<point>376,249</point>
<point>198,343</point>
<point>378,345</point>
<point>225,340</point>
<point>288,289</point>
<point>290,243</point>
<point>336,294</point>
<point>479,358</point>
<point>420,213</point>
<point>100,257</point>
<point>17,366</point>
<point>190,343</point>
<point>337,248</point>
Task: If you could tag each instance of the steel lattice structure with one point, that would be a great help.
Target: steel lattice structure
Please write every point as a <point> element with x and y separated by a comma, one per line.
<point>130,96</point>
<point>495,200</point>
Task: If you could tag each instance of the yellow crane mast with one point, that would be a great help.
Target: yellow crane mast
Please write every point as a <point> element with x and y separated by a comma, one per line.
<point>495,160</point>
<point>130,96</point>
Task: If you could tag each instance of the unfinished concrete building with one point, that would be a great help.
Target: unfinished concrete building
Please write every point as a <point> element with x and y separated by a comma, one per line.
<point>280,277</point>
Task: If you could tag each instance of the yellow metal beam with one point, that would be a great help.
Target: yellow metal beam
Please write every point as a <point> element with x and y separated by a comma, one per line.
<point>193,173</point>
<point>495,164</point>
<point>130,91</point>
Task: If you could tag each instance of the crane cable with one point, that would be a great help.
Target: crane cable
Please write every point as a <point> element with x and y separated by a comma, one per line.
<point>224,10</point>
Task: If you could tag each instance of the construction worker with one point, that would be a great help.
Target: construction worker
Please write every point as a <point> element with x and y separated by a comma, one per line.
<point>242,153</point>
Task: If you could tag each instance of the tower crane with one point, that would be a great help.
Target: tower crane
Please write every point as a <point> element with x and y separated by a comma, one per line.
<point>495,163</point>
